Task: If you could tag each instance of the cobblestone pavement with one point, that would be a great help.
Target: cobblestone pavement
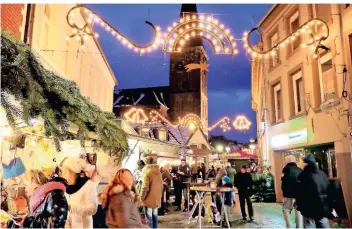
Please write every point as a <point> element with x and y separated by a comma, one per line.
<point>267,215</point>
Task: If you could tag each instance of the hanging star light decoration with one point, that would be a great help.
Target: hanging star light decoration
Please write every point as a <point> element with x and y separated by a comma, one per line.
<point>136,115</point>
<point>82,31</point>
<point>314,39</point>
<point>206,27</point>
<point>241,123</point>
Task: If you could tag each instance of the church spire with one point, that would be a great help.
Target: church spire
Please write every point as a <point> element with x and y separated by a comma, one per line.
<point>191,9</point>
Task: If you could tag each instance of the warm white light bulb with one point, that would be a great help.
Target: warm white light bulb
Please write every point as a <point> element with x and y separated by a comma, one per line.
<point>194,17</point>
<point>169,29</point>
<point>96,35</point>
<point>193,33</point>
<point>85,37</point>
<point>74,31</point>
<point>67,38</point>
<point>187,26</point>
<point>78,38</point>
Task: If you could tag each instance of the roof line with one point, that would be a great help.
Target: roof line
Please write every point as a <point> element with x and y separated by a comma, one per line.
<point>266,15</point>
<point>101,50</point>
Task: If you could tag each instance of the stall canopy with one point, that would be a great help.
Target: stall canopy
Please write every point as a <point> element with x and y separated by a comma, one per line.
<point>238,154</point>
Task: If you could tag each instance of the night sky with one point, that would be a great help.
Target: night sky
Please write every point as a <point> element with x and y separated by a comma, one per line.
<point>229,78</point>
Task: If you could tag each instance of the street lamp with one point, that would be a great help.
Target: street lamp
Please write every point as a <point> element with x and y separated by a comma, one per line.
<point>228,149</point>
<point>252,147</point>
<point>220,148</point>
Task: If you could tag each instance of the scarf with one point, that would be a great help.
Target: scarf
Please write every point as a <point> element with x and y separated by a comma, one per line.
<point>80,181</point>
<point>40,193</point>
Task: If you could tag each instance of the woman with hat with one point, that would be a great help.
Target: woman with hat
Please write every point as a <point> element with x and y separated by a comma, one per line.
<point>81,192</point>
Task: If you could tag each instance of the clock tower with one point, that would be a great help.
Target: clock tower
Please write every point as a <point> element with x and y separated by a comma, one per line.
<point>188,90</point>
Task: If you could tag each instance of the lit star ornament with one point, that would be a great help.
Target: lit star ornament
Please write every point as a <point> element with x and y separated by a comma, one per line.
<point>241,123</point>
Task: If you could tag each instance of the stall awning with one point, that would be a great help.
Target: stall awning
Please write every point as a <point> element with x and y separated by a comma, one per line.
<point>241,155</point>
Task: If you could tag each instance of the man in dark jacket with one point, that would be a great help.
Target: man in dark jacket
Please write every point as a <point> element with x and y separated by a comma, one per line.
<point>184,172</point>
<point>289,188</point>
<point>312,199</point>
<point>244,183</point>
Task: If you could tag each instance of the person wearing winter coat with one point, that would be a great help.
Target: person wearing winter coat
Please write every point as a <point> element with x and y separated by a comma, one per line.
<point>313,198</point>
<point>81,193</point>
<point>244,183</point>
<point>151,191</point>
<point>212,172</point>
<point>184,173</point>
<point>202,172</point>
<point>121,202</point>
<point>289,188</point>
<point>228,198</point>
<point>48,206</point>
<point>231,172</point>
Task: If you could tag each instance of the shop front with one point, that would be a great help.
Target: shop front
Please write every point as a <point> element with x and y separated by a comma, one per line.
<point>296,143</point>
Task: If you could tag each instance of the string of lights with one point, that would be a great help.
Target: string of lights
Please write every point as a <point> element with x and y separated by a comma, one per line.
<point>203,26</point>
<point>191,121</point>
<point>241,123</point>
<point>83,32</point>
<point>309,29</point>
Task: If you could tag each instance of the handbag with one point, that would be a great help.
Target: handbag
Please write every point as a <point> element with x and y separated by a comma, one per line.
<point>14,169</point>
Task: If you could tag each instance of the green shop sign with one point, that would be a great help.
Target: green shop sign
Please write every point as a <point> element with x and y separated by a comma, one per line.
<point>292,138</point>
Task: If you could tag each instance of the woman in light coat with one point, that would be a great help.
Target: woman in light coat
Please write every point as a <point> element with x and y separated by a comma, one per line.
<point>81,192</point>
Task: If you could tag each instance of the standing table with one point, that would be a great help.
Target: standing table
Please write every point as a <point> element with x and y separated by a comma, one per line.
<point>200,191</point>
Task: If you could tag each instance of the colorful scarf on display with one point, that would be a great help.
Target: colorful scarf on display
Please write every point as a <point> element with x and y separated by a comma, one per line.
<point>40,193</point>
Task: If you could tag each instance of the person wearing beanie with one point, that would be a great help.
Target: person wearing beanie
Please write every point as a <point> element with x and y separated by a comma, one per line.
<point>244,183</point>
<point>151,191</point>
<point>81,192</point>
<point>313,196</point>
<point>228,198</point>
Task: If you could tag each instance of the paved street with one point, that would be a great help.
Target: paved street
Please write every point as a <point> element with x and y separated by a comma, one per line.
<point>267,215</point>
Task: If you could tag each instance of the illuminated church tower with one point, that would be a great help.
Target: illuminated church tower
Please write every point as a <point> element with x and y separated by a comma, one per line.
<point>188,90</point>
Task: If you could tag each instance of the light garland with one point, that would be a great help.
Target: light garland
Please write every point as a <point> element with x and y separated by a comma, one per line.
<point>82,33</point>
<point>315,41</point>
<point>199,26</point>
<point>241,123</point>
<point>136,115</point>
<point>224,124</point>
<point>190,121</point>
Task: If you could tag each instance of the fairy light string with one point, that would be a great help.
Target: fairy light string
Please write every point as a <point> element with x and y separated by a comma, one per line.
<point>241,123</point>
<point>309,29</point>
<point>83,32</point>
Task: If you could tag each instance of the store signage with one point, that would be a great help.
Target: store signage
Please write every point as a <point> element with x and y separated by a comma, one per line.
<point>293,138</point>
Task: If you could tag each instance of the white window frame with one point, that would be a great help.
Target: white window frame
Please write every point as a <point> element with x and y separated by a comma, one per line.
<point>325,58</point>
<point>272,43</point>
<point>296,77</point>
<point>276,105</point>
<point>162,134</point>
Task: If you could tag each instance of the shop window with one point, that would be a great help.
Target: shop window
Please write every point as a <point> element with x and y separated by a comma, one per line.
<point>274,40</point>
<point>277,102</point>
<point>323,12</point>
<point>298,92</point>
<point>327,78</point>
<point>293,27</point>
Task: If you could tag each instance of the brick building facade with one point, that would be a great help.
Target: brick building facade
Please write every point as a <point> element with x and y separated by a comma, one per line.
<point>13,19</point>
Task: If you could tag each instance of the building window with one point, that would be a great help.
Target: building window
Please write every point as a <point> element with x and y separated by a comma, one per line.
<point>293,27</point>
<point>327,78</point>
<point>162,134</point>
<point>145,132</point>
<point>274,40</point>
<point>298,92</point>
<point>277,102</point>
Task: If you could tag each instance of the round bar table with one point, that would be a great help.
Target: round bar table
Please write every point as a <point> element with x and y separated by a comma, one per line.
<point>200,202</point>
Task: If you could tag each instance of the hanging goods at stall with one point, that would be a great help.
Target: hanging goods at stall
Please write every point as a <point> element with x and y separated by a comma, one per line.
<point>14,169</point>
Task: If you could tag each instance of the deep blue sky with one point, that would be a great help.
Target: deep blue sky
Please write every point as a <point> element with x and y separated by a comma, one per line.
<point>229,77</point>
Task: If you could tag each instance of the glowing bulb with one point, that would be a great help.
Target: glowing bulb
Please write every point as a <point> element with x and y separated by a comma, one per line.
<point>174,24</point>
<point>169,29</point>
<point>187,18</point>
<point>130,46</point>
<point>193,33</point>
<point>315,56</point>
<point>221,36</point>
<point>182,42</point>
<point>118,36</point>
<point>201,34</point>
<point>217,48</point>
<point>74,31</point>
<point>324,28</point>
<point>142,50</point>
<point>187,26</point>
<point>193,25</point>
<point>282,45</point>
<point>254,54</point>
<point>208,36</point>
<point>216,22</point>
<point>89,20</point>
<point>227,50</point>
<point>227,31</point>
<point>209,18</point>
<point>201,25</point>
<point>202,17</point>
<point>171,42</point>
<point>181,30</point>
<point>78,38</point>
<point>170,49</point>
<point>222,26</point>
<point>136,49</point>
<point>96,35</point>
<point>181,20</point>
<point>209,27</point>
<point>67,38</point>
<point>214,41</point>
<point>179,49</point>
<point>82,46</point>
<point>5,131</point>
<point>187,36</point>
<point>194,17</point>
<point>158,28</point>
<point>124,41</point>
<point>113,33</point>
<point>72,14</point>
<point>85,37</point>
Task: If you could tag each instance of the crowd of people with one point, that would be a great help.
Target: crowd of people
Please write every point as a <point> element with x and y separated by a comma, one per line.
<point>69,197</point>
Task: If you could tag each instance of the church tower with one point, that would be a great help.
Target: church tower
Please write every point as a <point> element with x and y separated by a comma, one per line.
<point>188,90</point>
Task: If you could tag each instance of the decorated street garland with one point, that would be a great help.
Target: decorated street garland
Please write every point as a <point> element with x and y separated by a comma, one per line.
<point>58,101</point>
